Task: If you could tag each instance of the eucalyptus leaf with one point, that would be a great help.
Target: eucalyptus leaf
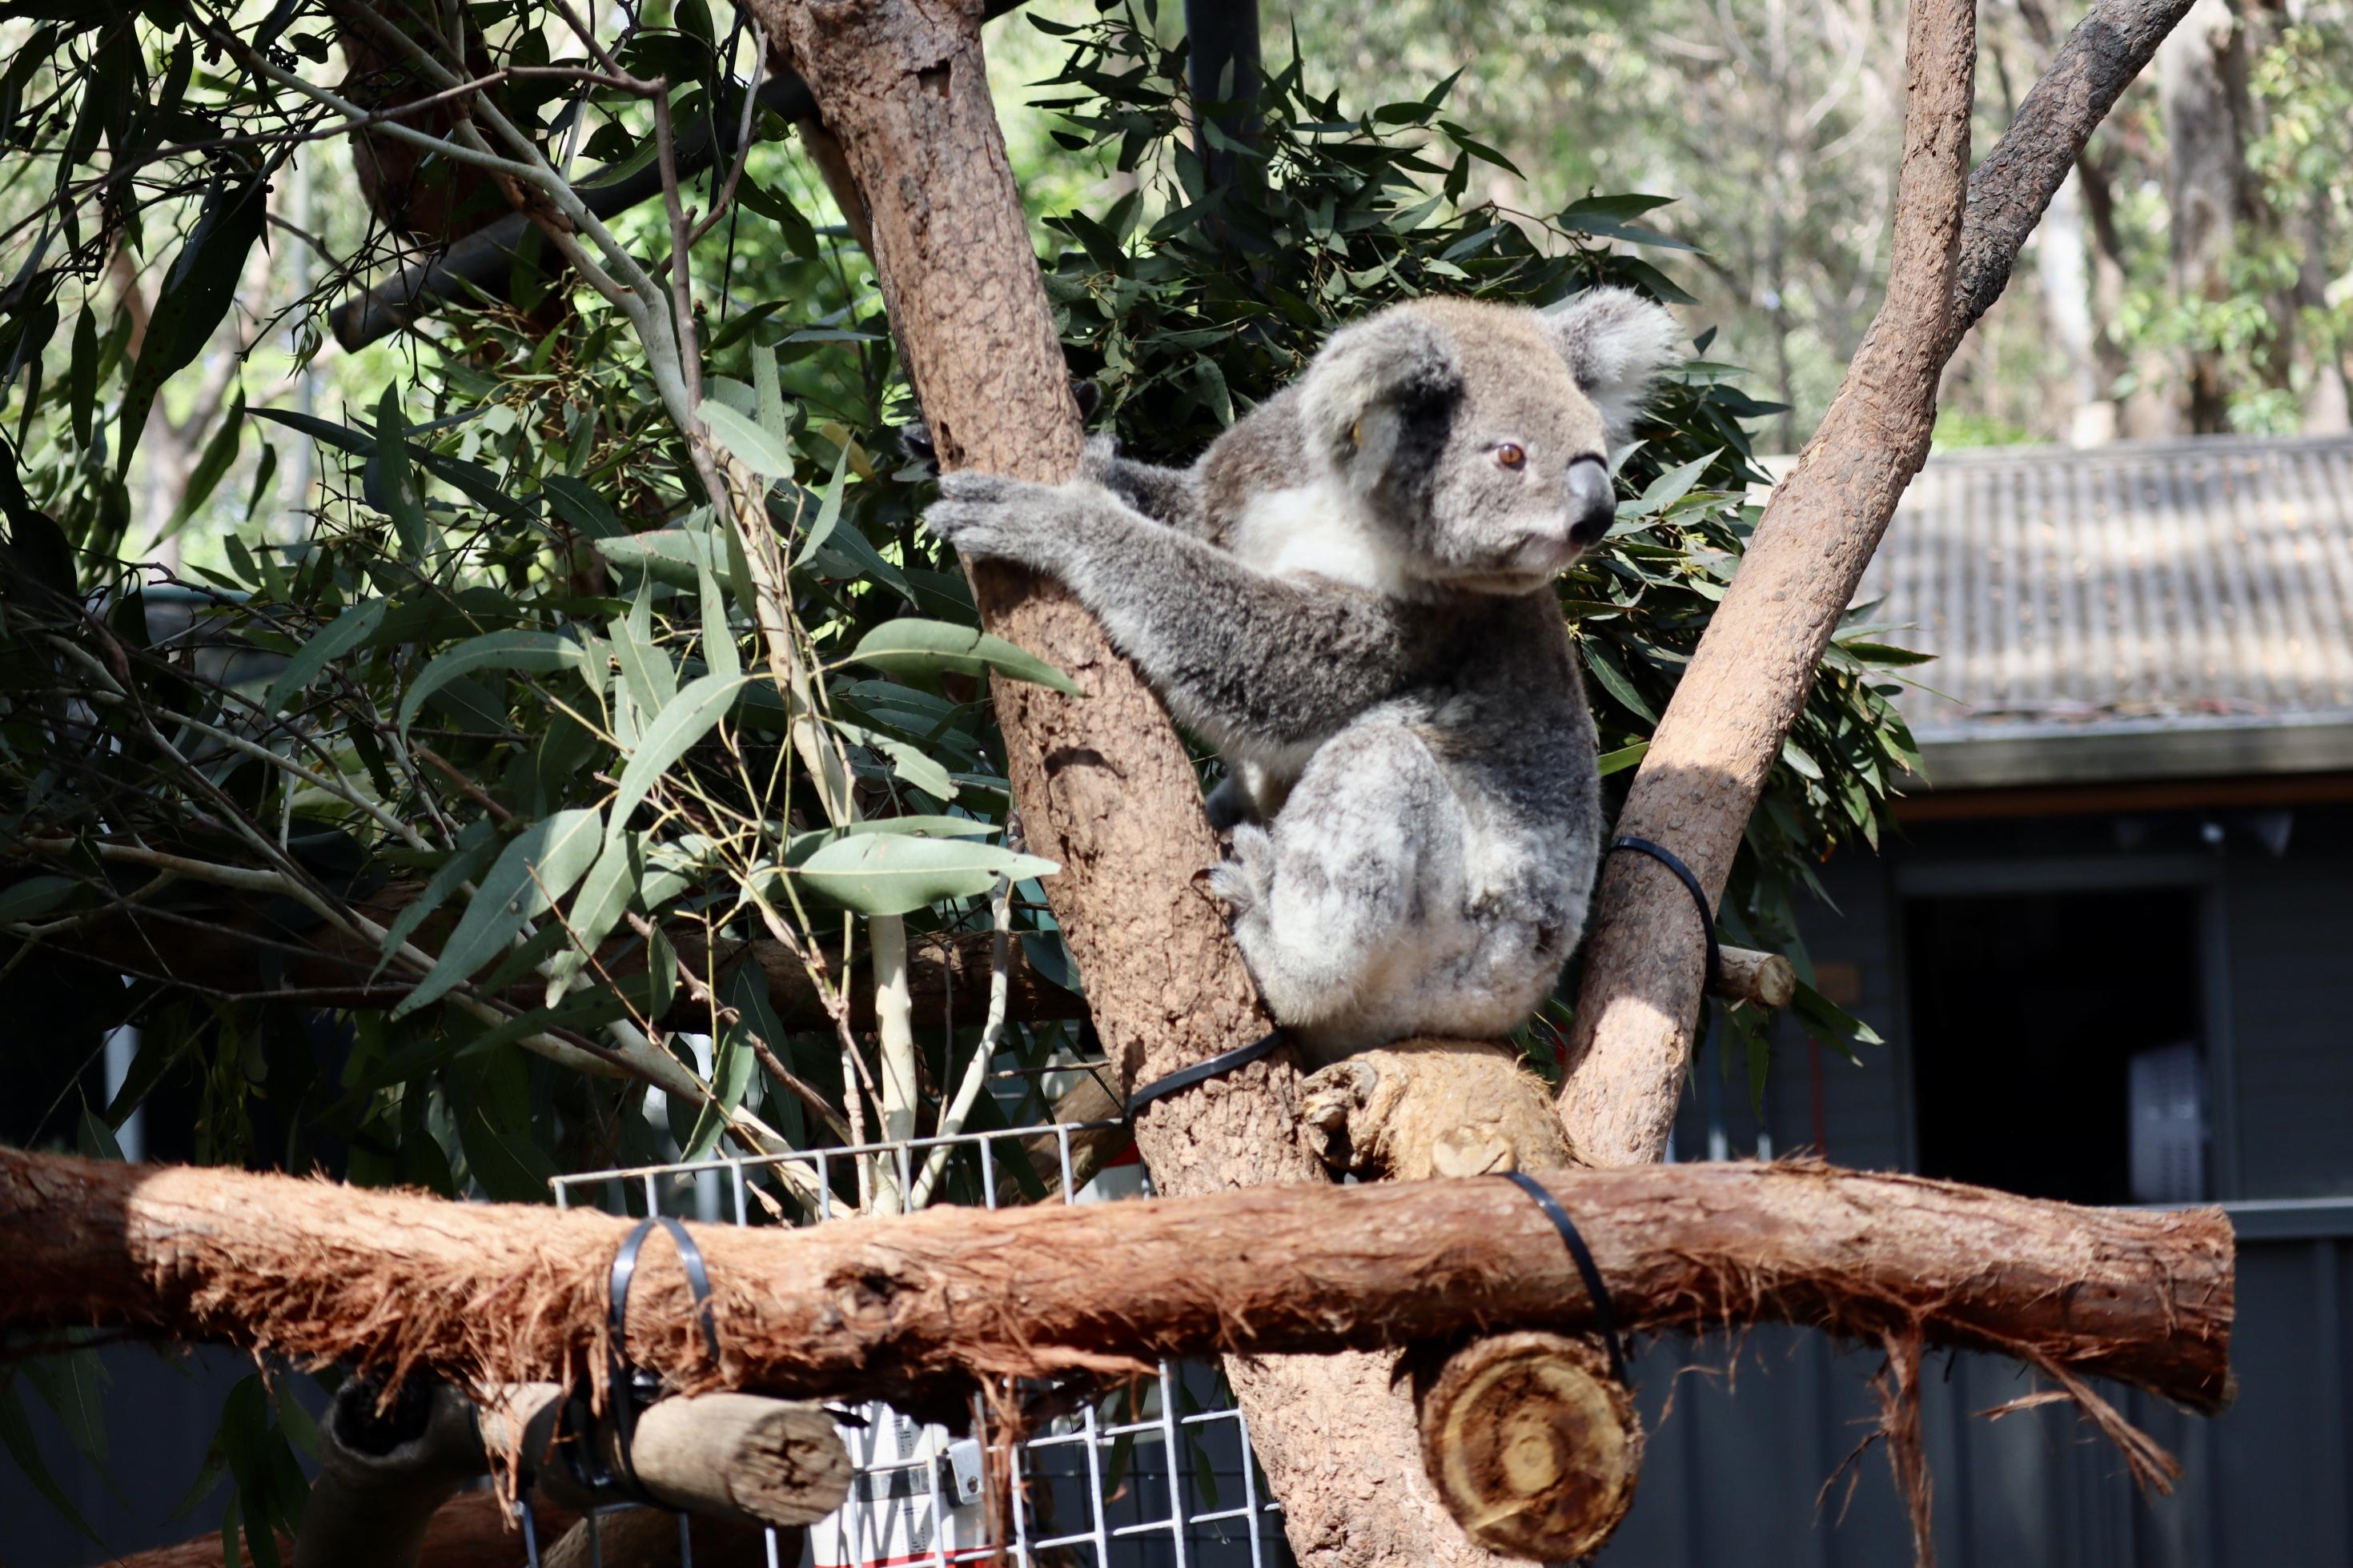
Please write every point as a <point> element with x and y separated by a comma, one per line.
<point>34,896</point>
<point>538,867</point>
<point>893,873</point>
<point>670,555</point>
<point>763,453</point>
<point>397,492</point>
<point>913,646</point>
<point>531,652</point>
<point>339,636</point>
<point>683,719</point>
<point>476,845</point>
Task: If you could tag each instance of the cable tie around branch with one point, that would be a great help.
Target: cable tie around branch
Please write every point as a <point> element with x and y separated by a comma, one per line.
<point>632,1387</point>
<point>1667,857</point>
<point>1604,1313</point>
<point>1201,1072</point>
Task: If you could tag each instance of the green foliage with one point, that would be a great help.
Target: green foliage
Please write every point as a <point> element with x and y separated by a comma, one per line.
<point>503,758</point>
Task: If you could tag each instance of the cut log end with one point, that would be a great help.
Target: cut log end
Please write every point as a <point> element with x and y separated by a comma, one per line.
<point>1431,1108</point>
<point>1531,1444</point>
<point>1766,979</point>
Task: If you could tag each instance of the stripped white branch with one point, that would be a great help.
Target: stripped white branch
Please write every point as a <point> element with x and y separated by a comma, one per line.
<point>991,1029</point>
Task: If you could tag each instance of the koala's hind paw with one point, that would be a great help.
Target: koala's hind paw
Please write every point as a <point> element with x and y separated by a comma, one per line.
<point>1244,880</point>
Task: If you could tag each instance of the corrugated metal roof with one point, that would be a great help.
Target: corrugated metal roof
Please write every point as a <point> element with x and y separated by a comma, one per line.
<point>2190,584</point>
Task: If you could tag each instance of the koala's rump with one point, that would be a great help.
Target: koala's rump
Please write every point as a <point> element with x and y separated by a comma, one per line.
<point>1453,896</point>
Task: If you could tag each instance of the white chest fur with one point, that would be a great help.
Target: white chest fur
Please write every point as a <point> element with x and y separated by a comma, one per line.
<point>1318,529</point>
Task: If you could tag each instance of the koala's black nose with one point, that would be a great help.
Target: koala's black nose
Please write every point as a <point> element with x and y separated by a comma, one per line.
<point>1591,506</point>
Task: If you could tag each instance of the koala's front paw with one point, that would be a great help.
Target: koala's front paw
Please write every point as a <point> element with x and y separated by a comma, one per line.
<point>990,515</point>
<point>1245,880</point>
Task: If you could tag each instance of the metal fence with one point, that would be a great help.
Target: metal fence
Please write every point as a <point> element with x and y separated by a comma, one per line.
<point>1156,1476</point>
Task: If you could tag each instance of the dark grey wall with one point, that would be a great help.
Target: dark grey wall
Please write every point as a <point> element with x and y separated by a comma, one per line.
<point>2279,974</point>
<point>162,1410</point>
<point>2290,946</point>
<point>1731,1473</point>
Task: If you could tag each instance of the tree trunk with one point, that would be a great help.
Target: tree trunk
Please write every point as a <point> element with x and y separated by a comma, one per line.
<point>1104,784</point>
<point>2202,92</point>
<point>1722,732</point>
<point>923,1305</point>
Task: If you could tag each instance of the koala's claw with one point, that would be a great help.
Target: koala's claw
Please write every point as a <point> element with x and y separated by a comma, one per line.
<point>1244,880</point>
<point>973,529</point>
<point>980,514</point>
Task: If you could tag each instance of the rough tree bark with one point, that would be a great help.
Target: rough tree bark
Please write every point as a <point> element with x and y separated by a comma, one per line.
<point>1105,786</point>
<point>486,1295</point>
<point>1716,744</point>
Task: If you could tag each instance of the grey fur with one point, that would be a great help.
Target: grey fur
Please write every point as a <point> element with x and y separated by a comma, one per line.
<point>1350,596</point>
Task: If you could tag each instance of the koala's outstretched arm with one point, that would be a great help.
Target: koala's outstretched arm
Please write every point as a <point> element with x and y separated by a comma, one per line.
<point>1237,653</point>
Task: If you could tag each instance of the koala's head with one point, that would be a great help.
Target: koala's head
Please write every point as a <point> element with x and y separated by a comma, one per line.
<point>1477,436</point>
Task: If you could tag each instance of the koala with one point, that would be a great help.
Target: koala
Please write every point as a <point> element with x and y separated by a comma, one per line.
<point>1350,596</point>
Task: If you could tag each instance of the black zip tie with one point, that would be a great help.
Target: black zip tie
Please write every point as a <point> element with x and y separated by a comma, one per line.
<point>1605,1314</point>
<point>630,1386</point>
<point>1201,1072</point>
<point>689,1258</point>
<point>1666,856</point>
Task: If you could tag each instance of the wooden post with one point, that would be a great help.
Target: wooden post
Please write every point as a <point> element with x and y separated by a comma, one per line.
<point>736,1457</point>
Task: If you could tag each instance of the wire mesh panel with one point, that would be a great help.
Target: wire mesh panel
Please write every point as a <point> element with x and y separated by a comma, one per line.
<point>1156,1475</point>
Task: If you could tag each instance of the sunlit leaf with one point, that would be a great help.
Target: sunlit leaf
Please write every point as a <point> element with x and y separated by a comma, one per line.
<point>892,873</point>
<point>928,648</point>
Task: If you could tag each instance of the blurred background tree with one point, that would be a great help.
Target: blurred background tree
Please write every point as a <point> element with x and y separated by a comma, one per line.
<point>2195,277</point>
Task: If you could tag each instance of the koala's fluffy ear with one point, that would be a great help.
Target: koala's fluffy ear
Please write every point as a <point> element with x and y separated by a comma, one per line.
<point>1615,343</point>
<point>1372,380</point>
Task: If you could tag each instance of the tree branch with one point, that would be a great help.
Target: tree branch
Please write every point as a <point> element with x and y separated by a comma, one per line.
<point>1954,247</point>
<point>925,1304</point>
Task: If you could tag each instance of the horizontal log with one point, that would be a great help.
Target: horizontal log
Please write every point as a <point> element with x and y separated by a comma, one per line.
<point>494,1294</point>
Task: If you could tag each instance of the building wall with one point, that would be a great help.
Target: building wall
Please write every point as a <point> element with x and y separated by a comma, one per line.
<point>2279,974</point>
<point>2290,955</point>
<point>1744,1437</point>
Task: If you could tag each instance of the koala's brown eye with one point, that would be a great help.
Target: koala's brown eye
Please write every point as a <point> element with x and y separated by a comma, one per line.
<point>1510,455</point>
